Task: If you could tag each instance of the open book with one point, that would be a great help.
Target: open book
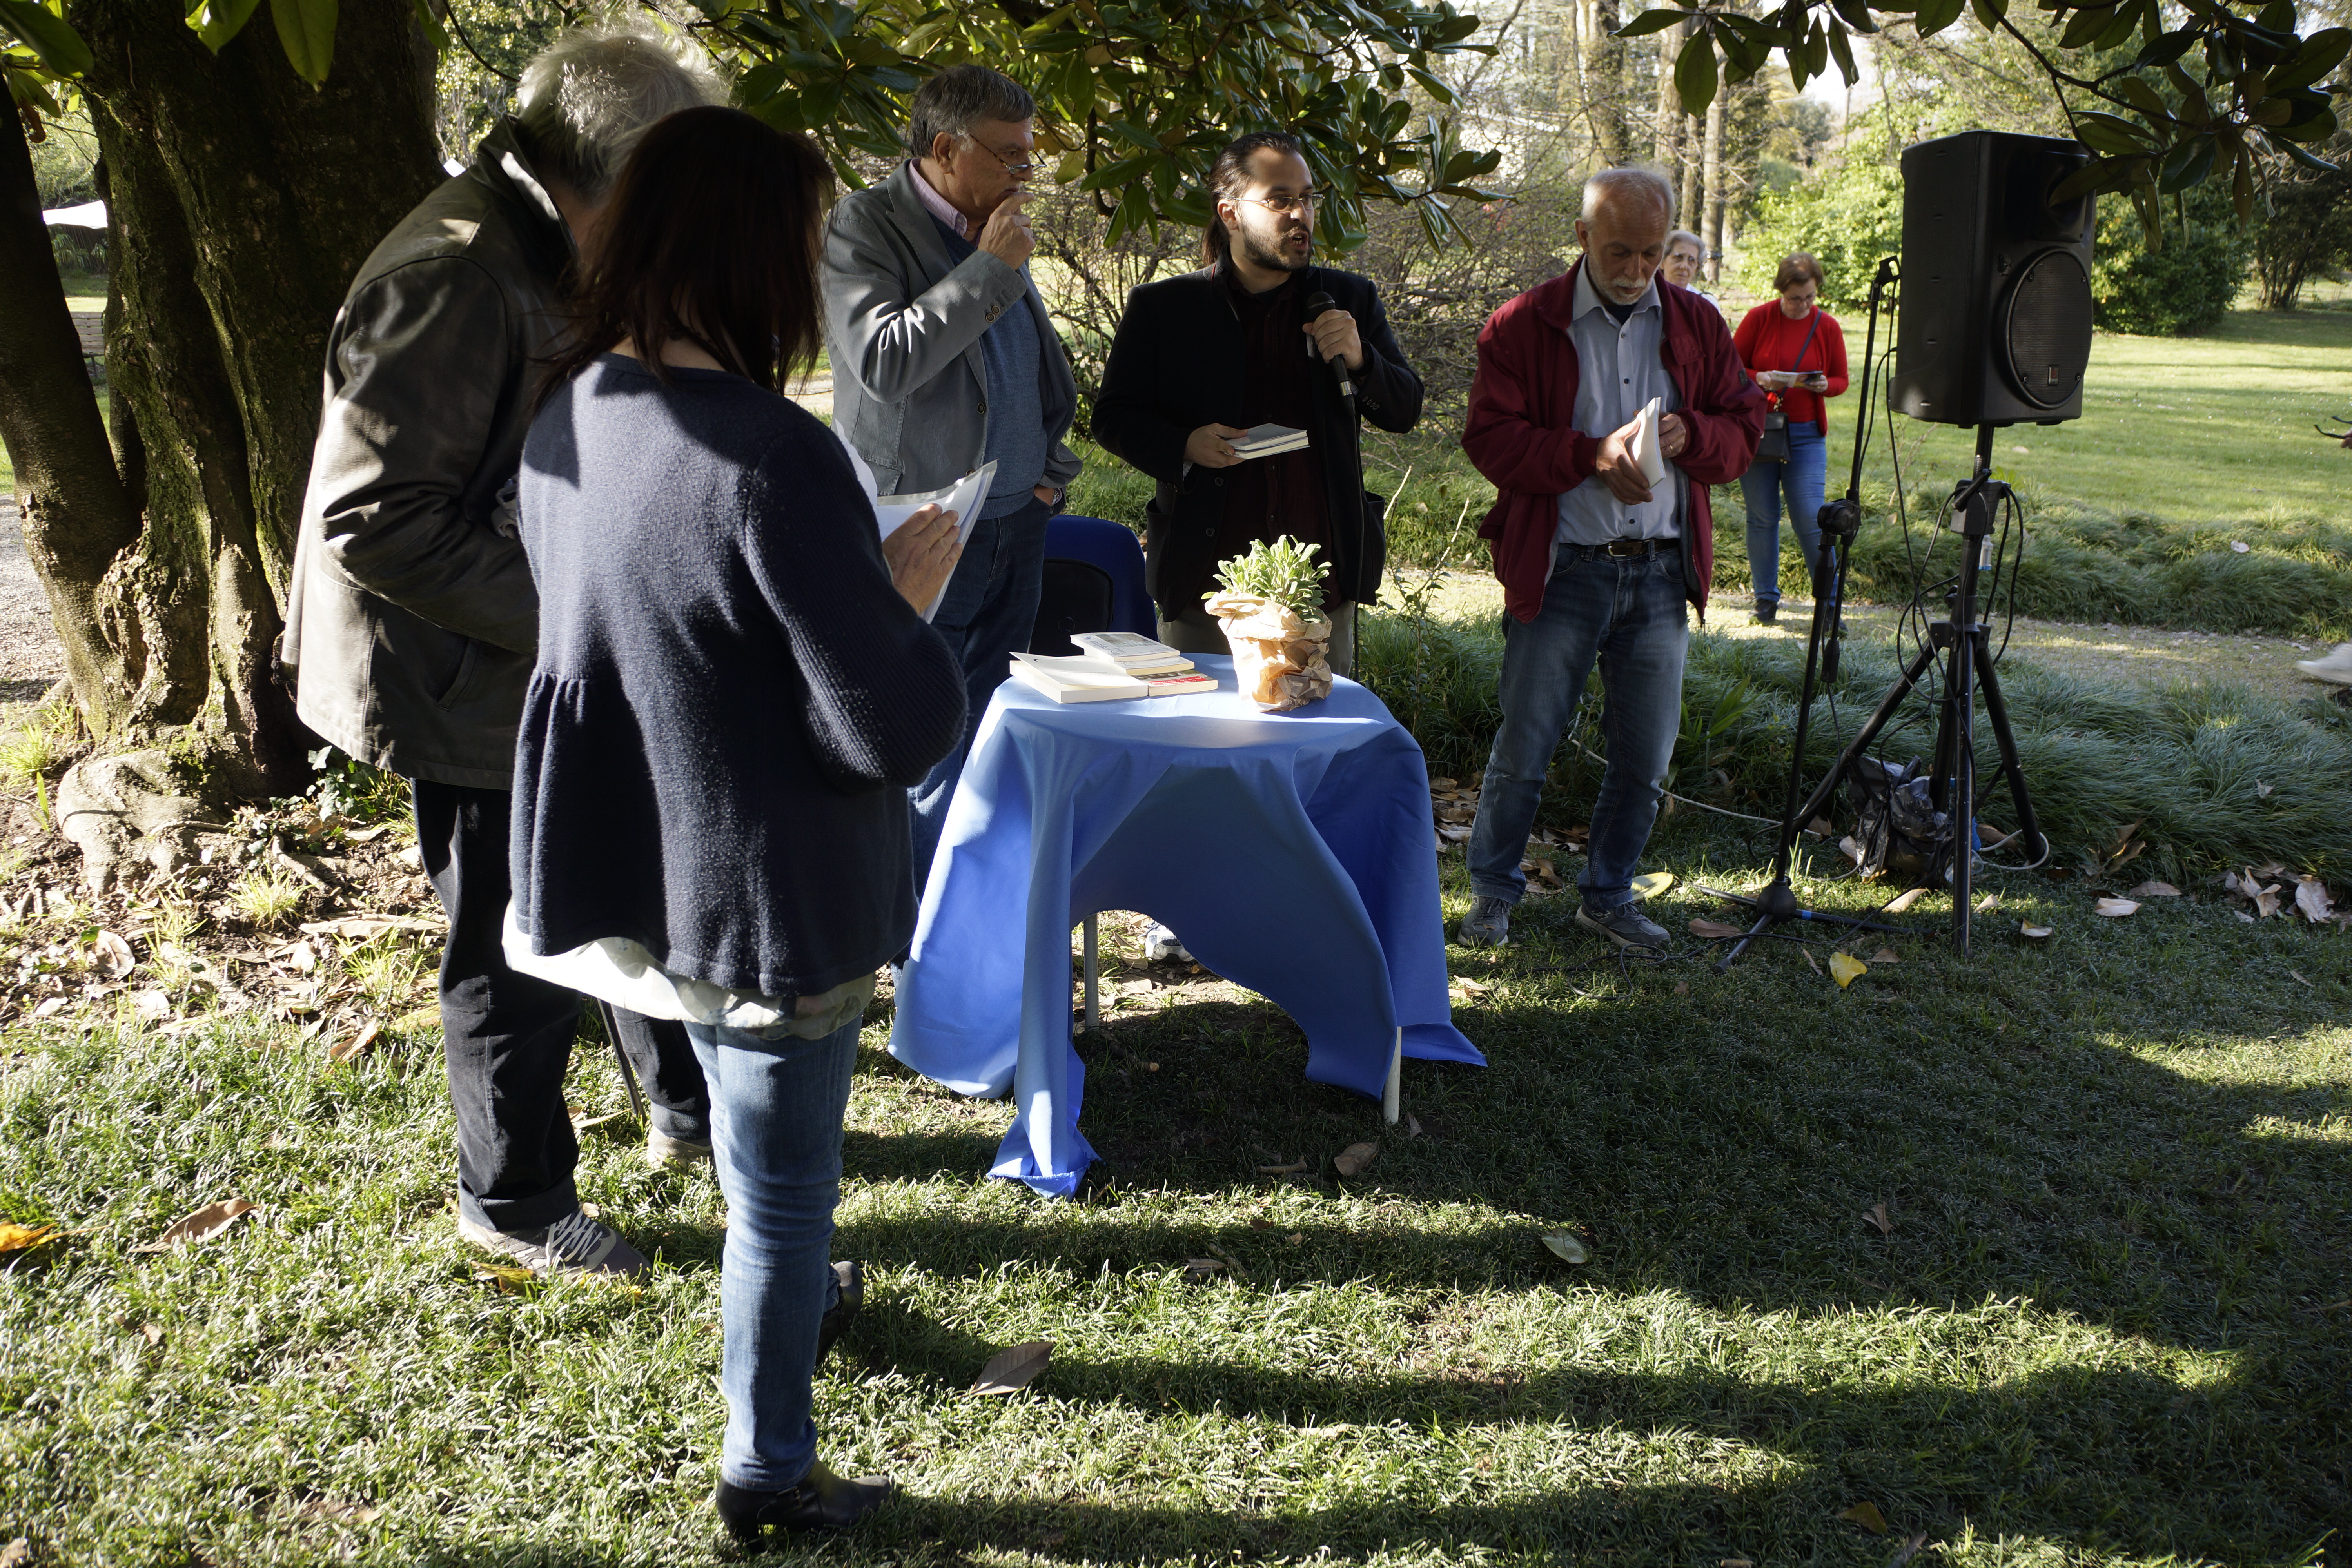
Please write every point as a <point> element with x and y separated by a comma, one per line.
<point>964,497</point>
<point>1646,447</point>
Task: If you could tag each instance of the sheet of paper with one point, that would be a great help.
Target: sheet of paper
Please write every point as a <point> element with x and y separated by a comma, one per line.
<point>964,498</point>
<point>1646,446</point>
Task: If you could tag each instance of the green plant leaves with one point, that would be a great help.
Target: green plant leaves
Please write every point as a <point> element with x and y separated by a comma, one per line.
<point>217,21</point>
<point>307,29</point>
<point>1935,16</point>
<point>1695,75</point>
<point>55,43</point>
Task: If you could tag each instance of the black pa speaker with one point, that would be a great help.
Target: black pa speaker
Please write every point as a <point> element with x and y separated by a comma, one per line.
<point>1995,326</point>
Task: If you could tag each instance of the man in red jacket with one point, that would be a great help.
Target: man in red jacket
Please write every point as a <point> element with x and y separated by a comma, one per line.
<point>1597,562</point>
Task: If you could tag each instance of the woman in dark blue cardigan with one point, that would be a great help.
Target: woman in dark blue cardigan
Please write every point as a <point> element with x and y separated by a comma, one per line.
<point>733,691</point>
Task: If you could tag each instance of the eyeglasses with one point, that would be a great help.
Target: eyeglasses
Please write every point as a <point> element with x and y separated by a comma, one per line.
<point>1286,206</point>
<point>1018,171</point>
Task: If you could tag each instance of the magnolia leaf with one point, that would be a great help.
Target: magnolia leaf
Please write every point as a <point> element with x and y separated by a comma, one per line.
<point>2153,890</point>
<point>1712,928</point>
<point>1866,1515</point>
<point>53,42</point>
<point>218,21</point>
<point>14,1237</point>
<point>1011,1371</point>
<point>1989,903</point>
<point>2311,897</point>
<point>1695,74</point>
<point>1876,1214</point>
<point>1845,969</point>
<point>307,29</point>
<point>1809,964</point>
<point>2027,928</point>
<point>1471,987</point>
<point>1565,1246</point>
<point>1903,901</point>
<point>1356,1158</point>
<point>1650,884</point>
<point>2115,908</point>
<point>357,1045</point>
<point>111,955</point>
<point>2267,902</point>
<point>1886,955</point>
<point>202,1226</point>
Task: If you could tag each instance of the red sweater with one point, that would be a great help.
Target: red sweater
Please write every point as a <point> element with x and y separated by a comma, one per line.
<point>1521,433</point>
<point>1768,339</point>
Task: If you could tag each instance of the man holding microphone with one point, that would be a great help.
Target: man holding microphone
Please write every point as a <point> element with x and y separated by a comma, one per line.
<point>943,359</point>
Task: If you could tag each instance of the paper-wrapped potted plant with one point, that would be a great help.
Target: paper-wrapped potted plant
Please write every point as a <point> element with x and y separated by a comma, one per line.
<point>1272,610</point>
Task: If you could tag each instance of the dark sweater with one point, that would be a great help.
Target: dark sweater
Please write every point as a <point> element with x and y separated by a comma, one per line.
<point>730,697</point>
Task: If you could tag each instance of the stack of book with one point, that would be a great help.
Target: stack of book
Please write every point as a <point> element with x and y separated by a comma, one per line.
<point>1112,667</point>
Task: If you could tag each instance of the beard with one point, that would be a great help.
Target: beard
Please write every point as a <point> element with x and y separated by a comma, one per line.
<point>1275,254</point>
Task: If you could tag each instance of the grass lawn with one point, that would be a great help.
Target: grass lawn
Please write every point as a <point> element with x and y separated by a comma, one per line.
<point>2109,1323</point>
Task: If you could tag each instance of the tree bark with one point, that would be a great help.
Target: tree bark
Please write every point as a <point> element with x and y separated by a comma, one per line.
<point>240,203</point>
<point>77,514</point>
<point>1712,229</point>
<point>1604,86</point>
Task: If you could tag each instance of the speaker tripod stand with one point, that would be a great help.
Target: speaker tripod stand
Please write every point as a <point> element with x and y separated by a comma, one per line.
<point>1964,642</point>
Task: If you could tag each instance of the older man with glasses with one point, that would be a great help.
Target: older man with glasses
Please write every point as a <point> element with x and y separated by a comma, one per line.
<point>943,359</point>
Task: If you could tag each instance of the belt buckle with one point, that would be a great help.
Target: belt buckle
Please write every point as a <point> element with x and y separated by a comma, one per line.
<point>1622,548</point>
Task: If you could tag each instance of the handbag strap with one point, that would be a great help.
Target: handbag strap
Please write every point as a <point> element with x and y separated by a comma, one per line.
<point>1777,397</point>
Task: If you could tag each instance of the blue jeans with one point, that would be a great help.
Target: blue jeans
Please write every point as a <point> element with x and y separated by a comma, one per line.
<point>1801,478</point>
<point>1627,614</point>
<point>775,1126</point>
<point>989,610</point>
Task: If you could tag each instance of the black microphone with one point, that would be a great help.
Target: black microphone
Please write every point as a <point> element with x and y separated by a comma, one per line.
<point>1319,305</point>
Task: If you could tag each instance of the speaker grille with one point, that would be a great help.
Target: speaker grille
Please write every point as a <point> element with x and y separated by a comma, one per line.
<point>2046,327</point>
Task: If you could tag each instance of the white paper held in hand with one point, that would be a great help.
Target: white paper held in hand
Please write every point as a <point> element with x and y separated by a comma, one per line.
<point>1646,450</point>
<point>964,497</point>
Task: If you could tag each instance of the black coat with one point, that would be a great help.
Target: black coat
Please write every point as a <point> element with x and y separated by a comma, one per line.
<point>1176,366</point>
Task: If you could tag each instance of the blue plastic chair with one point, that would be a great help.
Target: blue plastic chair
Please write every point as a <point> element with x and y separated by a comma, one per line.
<point>1093,582</point>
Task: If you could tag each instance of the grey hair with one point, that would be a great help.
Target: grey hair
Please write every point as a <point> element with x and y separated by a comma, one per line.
<point>959,97</point>
<point>1645,178</point>
<point>589,95</point>
<point>1682,234</point>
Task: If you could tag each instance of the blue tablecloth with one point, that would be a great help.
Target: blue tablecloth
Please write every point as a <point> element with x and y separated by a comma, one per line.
<point>1292,852</point>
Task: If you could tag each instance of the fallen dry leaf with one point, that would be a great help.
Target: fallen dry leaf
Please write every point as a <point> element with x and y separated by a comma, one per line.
<point>505,1276</point>
<point>1989,903</point>
<point>1295,1167</point>
<point>1297,1239</point>
<point>2153,890</point>
<point>1876,1215</point>
<point>1852,850</point>
<point>1902,901</point>
<point>1565,1246</point>
<point>2027,928</point>
<point>1682,987</point>
<point>2293,975</point>
<point>2114,909</point>
<point>2262,790</point>
<point>1886,955</point>
<point>1910,1550</point>
<point>1650,884</point>
<point>154,1332</point>
<point>1866,1515</point>
<point>202,1226</point>
<point>1712,928</point>
<point>2267,902</point>
<point>14,1237</point>
<point>1845,969</point>
<point>17,1554</point>
<point>1197,1269</point>
<point>1474,987</point>
<point>111,955</point>
<point>1412,1125</point>
<point>2311,897</point>
<point>2239,547</point>
<point>1808,960</point>
<point>356,1046</point>
<point>1356,1158</point>
<point>1011,1371</point>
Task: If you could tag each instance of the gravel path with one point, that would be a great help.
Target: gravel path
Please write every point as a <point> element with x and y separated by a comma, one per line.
<point>30,661</point>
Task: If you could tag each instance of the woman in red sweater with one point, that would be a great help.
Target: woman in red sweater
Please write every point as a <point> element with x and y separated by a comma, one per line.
<point>1795,353</point>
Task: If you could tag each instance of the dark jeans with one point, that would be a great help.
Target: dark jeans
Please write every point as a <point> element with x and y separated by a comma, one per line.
<point>989,610</point>
<point>1628,614</point>
<point>507,1036</point>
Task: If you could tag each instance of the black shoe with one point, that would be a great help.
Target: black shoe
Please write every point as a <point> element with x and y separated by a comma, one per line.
<point>823,1501</point>
<point>1767,612</point>
<point>838,1317</point>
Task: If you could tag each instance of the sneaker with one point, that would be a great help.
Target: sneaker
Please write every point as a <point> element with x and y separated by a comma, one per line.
<point>850,1278</point>
<point>1160,946</point>
<point>2337,667</point>
<point>1625,925</point>
<point>1767,612</point>
<point>573,1245</point>
<point>1488,923</point>
<point>665,1152</point>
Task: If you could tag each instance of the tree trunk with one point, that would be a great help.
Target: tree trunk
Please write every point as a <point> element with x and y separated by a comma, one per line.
<point>1688,205</point>
<point>1604,86</point>
<point>1666,121</point>
<point>77,514</point>
<point>1711,230</point>
<point>240,202</point>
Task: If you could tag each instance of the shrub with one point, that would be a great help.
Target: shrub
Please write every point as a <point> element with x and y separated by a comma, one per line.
<point>2178,290</point>
<point>1848,218</point>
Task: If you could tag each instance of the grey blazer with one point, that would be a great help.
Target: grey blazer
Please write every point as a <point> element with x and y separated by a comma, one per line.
<point>903,323</point>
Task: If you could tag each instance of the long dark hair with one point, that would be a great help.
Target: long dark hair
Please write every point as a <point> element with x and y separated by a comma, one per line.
<point>711,236</point>
<point>1229,177</point>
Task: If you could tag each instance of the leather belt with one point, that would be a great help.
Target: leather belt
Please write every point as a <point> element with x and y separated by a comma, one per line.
<point>1622,548</point>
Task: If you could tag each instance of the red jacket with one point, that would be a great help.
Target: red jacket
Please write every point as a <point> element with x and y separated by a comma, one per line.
<point>1767,339</point>
<point>1521,433</point>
